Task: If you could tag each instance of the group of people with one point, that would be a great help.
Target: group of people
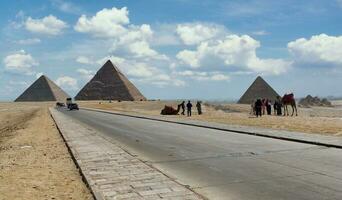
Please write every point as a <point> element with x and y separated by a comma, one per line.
<point>261,107</point>
<point>189,108</point>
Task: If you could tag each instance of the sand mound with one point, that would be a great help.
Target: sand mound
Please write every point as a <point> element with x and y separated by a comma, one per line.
<point>309,101</point>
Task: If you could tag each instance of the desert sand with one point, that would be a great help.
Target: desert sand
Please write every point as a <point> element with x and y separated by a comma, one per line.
<point>34,161</point>
<point>320,120</point>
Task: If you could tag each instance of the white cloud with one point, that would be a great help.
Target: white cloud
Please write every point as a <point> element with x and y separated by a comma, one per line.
<point>49,25</point>
<point>67,82</point>
<point>29,41</point>
<point>142,70</point>
<point>146,73</point>
<point>84,60</point>
<point>136,43</point>
<point>195,33</point>
<point>127,39</point>
<point>204,76</point>
<point>20,62</point>
<point>66,7</point>
<point>219,77</point>
<point>106,23</point>
<point>233,51</point>
<point>115,60</point>
<point>86,74</point>
<point>319,49</point>
<point>18,83</point>
<point>165,35</point>
<point>260,33</point>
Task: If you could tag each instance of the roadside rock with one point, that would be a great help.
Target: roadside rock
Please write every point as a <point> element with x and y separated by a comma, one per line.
<point>309,101</point>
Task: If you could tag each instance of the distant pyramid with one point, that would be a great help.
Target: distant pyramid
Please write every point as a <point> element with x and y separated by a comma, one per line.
<point>43,89</point>
<point>259,89</point>
<point>109,84</point>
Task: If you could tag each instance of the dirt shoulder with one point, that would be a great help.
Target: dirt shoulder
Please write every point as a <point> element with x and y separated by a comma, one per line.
<point>317,120</point>
<point>34,161</point>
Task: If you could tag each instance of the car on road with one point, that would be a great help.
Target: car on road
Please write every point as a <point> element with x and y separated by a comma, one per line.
<point>73,106</point>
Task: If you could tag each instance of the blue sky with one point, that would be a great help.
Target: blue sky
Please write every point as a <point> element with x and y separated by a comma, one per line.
<point>175,49</point>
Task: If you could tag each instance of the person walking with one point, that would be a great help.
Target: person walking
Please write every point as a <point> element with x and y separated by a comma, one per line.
<point>182,105</point>
<point>258,107</point>
<point>189,106</point>
<point>199,107</point>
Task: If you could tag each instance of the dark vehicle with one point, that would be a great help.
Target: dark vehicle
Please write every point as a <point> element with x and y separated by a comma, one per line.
<point>68,102</point>
<point>73,106</point>
<point>60,104</point>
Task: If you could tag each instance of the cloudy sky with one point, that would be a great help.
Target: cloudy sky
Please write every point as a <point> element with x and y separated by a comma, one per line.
<point>172,49</point>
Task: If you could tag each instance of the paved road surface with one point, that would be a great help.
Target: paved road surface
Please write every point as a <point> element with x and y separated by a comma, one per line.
<point>225,165</point>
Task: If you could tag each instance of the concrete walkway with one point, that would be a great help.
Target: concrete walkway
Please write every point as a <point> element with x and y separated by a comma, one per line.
<point>113,173</point>
<point>316,139</point>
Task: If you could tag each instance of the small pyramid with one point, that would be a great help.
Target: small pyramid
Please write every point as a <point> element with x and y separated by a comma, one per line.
<point>259,89</point>
<point>109,84</point>
<point>43,89</point>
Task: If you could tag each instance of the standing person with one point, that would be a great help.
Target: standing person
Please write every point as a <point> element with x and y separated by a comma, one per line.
<point>269,107</point>
<point>189,106</point>
<point>263,106</point>
<point>182,105</point>
<point>275,107</point>
<point>279,105</point>
<point>252,108</point>
<point>258,107</point>
<point>199,107</point>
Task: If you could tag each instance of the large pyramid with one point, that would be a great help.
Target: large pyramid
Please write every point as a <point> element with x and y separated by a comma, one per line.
<point>109,84</point>
<point>43,89</point>
<point>259,89</point>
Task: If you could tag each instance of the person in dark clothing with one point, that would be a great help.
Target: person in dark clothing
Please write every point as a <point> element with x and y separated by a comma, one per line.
<point>199,107</point>
<point>279,105</point>
<point>258,107</point>
<point>182,105</point>
<point>268,107</point>
<point>189,106</point>
<point>275,106</point>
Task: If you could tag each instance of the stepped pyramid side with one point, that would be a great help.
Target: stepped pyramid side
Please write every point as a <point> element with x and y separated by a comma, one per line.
<point>109,83</point>
<point>259,89</point>
<point>43,89</point>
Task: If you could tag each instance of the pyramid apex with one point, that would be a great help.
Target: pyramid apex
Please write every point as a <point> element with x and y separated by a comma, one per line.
<point>259,77</point>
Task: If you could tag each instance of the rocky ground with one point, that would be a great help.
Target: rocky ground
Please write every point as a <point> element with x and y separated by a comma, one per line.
<point>310,120</point>
<point>34,161</point>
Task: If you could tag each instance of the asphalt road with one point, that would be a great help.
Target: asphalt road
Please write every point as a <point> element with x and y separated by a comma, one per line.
<point>225,165</point>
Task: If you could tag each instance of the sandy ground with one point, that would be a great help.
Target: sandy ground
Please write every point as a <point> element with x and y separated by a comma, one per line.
<point>310,120</point>
<point>34,161</point>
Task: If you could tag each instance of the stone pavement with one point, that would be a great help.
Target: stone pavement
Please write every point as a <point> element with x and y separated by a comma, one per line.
<point>111,172</point>
<point>316,139</point>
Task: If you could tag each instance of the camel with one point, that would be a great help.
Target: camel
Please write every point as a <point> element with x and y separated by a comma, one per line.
<point>169,110</point>
<point>288,99</point>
